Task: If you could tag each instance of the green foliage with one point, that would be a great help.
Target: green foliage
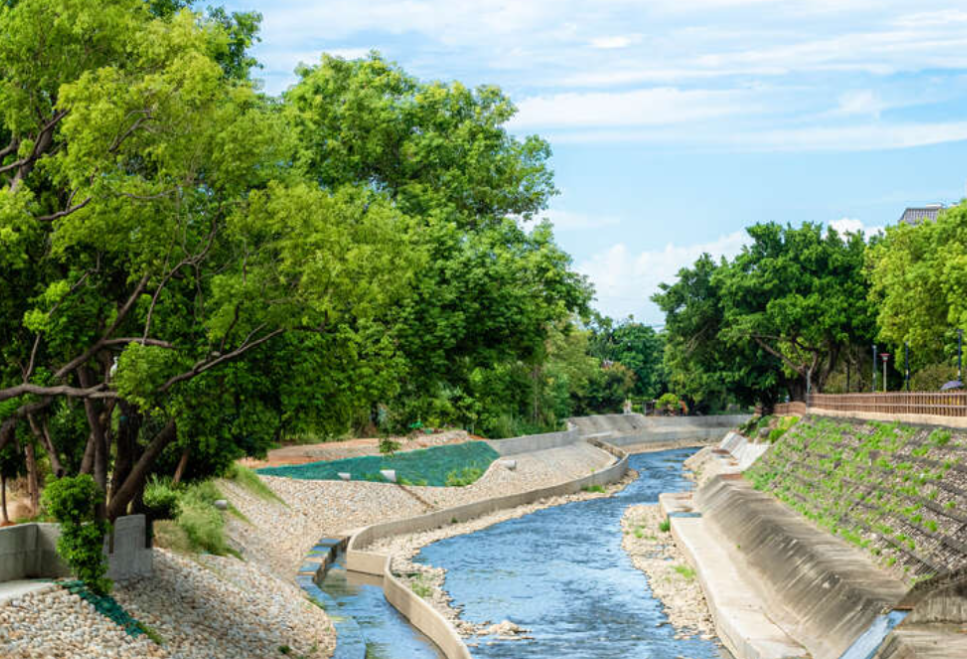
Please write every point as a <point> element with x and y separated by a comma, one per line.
<point>669,403</point>
<point>388,446</point>
<point>918,275</point>
<point>161,498</point>
<point>203,524</point>
<point>464,477</point>
<point>665,525</point>
<point>932,376</point>
<point>782,427</point>
<point>685,571</point>
<point>432,466</point>
<point>73,502</point>
<point>250,480</point>
<point>594,489</point>
<point>638,348</point>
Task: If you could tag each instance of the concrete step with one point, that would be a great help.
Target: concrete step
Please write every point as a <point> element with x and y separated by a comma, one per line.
<point>11,590</point>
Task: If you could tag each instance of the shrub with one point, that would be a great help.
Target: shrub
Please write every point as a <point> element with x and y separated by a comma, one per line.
<point>466,476</point>
<point>931,378</point>
<point>202,522</point>
<point>669,403</point>
<point>161,498</point>
<point>388,446</point>
<point>73,502</point>
<point>665,526</point>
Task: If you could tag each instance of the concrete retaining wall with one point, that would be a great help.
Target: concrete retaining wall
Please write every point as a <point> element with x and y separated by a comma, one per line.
<point>531,443</point>
<point>29,551</point>
<point>419,612</point>
<point>826,591</point>
<point>628,429</point>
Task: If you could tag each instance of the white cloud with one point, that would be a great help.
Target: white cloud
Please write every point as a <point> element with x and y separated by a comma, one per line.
<point>625,281</point>
<point>570,221</point>
<point>872,136</point>
<point>643,107</point>
<point>614,43</point>
<point>846,225</point>
<point>861,102</point>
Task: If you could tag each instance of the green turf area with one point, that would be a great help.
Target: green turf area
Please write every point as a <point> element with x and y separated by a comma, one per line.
<point>429,466</point>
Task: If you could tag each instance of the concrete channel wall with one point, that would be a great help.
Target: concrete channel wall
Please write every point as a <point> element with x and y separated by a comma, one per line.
<point>531,443</point>
<point>628,429</point>
<point>825,592</point>
<point>420,613</point>
<point>29,551</point>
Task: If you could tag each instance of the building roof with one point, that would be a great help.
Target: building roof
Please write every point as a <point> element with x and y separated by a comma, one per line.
<point>915,216</point>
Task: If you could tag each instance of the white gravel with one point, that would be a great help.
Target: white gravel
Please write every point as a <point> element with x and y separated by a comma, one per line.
<point>670,578</point>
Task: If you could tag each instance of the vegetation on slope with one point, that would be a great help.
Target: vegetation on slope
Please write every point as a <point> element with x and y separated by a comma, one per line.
<point>894,490</point>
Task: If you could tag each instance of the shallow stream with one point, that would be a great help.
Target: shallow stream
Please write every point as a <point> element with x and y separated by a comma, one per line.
<point>561,573</point>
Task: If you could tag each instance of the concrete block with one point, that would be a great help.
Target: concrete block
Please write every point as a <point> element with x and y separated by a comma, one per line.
<point>389,474</point>
<point>509,464</point>
<point>221,504</point>
<point>346,477</point>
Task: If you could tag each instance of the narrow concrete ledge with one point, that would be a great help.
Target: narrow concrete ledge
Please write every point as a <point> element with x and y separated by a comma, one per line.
<point>11,590</point>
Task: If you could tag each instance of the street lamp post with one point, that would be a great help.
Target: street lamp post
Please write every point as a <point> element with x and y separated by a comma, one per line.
<point>873,387</point>
<point>906,364</point>
<point>886,357</point>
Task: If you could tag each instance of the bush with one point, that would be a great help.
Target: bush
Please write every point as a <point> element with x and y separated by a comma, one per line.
<point>388,446</point>
<point>202,523</point>
<point>782,427</point>
<point>161,498</point>
<point>73,502</point>
<point>466,476</point>
<point>931,378</point>
<point>669,403</point>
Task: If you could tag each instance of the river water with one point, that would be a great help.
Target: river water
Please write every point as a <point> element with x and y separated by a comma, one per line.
<point>561,573</point>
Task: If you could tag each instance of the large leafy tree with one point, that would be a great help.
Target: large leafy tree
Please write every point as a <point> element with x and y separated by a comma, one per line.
<point>702,365</point>
<point>919,284</point>
<point>480,309</point>
<point>152,236</point>
<point>800,294</point>
<point>636,346</point>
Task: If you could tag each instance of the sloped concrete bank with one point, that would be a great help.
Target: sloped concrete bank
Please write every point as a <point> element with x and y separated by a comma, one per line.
<point>824,592</point>
<point>421,613</point>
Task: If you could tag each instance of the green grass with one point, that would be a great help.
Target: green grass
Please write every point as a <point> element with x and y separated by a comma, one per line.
<point>432,466</point>
<point>464,477</point>
<point>665,526</point>
<point>250,480</point>
<point>596,489</point>
<point>687,572</point>
<point>422,589</point>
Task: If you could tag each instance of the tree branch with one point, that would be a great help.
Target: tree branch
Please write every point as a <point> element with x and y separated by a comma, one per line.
<point>204,365</point>
<point>64,213</point>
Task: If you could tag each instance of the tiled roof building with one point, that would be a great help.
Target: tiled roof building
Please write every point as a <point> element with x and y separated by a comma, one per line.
<point>916,216</point>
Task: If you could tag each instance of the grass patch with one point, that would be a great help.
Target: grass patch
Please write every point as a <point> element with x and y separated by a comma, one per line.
<point>250,480</point>
<point>432,466</point>
<point>422,589</point>
<point>686,572</point>
<point>466,476</point>
<point>665,526</point>
<point>596,489</point>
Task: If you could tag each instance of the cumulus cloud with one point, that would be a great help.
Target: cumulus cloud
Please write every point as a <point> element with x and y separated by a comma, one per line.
<point>625,281</point>
<point>615,42</point>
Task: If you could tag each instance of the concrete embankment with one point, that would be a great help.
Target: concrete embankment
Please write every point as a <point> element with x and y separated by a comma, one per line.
<point>777,585</point>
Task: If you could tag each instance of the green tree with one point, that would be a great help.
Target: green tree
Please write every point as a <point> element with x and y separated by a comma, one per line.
<point>156,236</point>
<point>638,347</point>
<point>919,282</point>
<point>799,294</point>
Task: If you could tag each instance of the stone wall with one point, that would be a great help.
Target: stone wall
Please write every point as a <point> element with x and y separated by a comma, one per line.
<point>29,551</point>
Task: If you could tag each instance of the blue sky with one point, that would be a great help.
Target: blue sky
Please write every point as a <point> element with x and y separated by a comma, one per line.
<point>676,123</point>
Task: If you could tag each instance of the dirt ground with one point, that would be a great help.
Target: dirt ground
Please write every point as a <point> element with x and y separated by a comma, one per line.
<point>353,448</point>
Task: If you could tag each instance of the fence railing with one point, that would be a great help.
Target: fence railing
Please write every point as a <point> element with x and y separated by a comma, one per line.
<point>790,409</point>
<point>951,403</point>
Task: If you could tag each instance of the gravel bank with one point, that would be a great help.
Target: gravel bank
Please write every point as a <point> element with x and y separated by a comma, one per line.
<point>429,581</point>
<point>208,608</point>
<point>281,535</point>
<point>670,578</point>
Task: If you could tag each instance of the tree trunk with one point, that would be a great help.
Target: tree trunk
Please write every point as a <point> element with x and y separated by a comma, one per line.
<point>182,464</point>
<point>132,485</point>
<point>43,434</point>
<point>92,409</point>
<point>33,481</point>
<point>128,451</point>
<point>3,498</point>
